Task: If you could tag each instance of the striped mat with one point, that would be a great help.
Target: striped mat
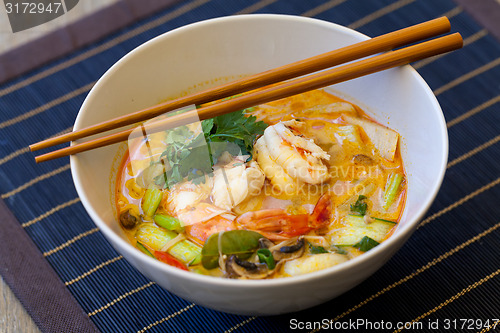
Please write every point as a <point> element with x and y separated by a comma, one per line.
<point>447,274</point>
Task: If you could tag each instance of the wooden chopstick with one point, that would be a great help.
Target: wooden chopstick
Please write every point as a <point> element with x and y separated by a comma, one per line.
<point>349,53</point>
<point>292,87</point>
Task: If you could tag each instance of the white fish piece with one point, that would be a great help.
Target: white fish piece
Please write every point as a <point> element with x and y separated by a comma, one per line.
<point>304,265</point>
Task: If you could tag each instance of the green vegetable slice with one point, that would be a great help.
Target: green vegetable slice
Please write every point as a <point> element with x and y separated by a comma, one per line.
<point>169,222</point>
<point>338,249</point>
<point>242,243</point>
<point>144,249</point>
<point>391,189</point>
<point>265,256</point>
<point>365,244</point>
<point>355,229</point>
<point>384,220</point>
<point>317,249</point>
<point>155,238</point>
<point>151,201</point>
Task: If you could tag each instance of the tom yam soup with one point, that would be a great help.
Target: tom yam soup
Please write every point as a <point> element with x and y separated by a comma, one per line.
<point>278,190</point>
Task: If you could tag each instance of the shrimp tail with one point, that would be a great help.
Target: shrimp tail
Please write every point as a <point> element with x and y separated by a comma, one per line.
<point>322,212</point>
<point>276,222</point>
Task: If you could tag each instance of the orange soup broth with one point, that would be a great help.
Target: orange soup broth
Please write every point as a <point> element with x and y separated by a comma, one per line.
<point>320,124</point>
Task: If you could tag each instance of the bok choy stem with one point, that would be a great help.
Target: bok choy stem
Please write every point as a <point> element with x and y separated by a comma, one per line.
<point>144,249</point>
<point>391,189</point>
<point>169,222</point>
<point>155,238</point>
<point>151,201</point>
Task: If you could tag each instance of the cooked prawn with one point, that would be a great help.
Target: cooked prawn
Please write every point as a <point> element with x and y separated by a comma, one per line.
<point>230,185</point>
<point>299,157</point>
<point>202,212</point>
<point>200,232</point>
<point>281,181</point>
<point>276,224</point>
<point>235,181</point>
<point>186,195</point>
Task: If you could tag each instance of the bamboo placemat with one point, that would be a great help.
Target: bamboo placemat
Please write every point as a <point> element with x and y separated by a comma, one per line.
<point>447,273</point>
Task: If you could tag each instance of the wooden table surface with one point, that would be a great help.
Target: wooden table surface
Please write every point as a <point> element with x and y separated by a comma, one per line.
<point>13,316</point>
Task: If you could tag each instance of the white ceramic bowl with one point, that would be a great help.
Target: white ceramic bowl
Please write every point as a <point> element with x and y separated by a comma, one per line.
<point>203,54</point>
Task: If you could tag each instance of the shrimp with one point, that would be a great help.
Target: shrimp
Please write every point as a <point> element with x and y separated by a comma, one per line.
<point>299,157</point>
<point>230,185</point>
<point>281,181</point>
<point>187,195</point>
<point>202,212</point>
<point>200,232</point>
<point>235,181</point>
<point>276,224</point>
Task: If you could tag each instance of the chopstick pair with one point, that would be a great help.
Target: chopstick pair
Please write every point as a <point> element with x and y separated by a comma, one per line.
<point>275,78</point>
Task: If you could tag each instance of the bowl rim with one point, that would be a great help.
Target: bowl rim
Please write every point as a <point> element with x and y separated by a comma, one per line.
<point>401,233</point>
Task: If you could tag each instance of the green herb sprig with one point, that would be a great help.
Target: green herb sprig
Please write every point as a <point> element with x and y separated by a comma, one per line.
<point>360,206</point>
<point>187,155</point>
<point>317,249</point>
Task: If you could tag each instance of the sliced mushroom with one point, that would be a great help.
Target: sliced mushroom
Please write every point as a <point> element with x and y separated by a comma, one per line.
<point>362,159</point>
<point>237,268</point>
<point>265,243</point>
<point>290,252</point>
<point>127,220</point>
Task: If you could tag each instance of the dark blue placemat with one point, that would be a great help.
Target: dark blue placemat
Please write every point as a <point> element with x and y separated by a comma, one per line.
<point>446,273</point>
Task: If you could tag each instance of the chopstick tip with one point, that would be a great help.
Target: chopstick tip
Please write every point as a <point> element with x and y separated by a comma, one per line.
<point>459,41</point>
<point>444,18</point>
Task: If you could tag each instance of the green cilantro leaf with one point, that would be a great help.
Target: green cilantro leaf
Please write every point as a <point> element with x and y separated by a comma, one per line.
<point>338,249</point>
<point>360,206</point>
<point>366,243</point>
<point>191,157</point>
<point>237,128</point>
<point>317,249</point>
